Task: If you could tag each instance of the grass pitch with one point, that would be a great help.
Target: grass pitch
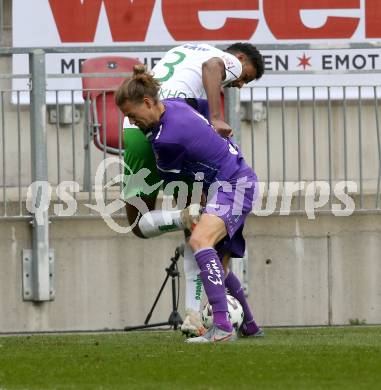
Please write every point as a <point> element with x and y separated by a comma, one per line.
<point>313,358</point>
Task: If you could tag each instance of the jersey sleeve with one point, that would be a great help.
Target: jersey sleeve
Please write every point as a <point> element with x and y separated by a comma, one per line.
<point>169,159</point>
<point>233,67</point>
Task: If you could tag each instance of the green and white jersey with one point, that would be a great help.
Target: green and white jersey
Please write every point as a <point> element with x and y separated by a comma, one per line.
<point>180,70</point>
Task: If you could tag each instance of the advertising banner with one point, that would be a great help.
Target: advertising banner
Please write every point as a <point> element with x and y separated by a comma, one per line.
<point>304,42</point>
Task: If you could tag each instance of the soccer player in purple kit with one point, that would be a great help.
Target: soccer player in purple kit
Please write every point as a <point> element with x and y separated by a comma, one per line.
<point>186,144</point>
<point>191,71</point>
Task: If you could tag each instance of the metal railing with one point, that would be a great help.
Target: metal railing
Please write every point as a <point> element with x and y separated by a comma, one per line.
<point>1,20</point>
<point>291,144</point>
<point>326,140</point>
<point>293,140</point>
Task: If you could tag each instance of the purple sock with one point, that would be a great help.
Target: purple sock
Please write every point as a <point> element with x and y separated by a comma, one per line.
<point>235,289</point>
<point>212,276</point>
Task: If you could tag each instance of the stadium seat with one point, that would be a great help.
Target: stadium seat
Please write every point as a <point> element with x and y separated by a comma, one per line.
<point>104,118</point>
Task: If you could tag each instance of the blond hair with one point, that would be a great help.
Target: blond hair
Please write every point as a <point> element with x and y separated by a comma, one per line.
<point>141,84</point>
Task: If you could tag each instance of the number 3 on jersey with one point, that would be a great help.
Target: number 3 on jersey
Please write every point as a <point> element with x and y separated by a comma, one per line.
<point>171,66</point>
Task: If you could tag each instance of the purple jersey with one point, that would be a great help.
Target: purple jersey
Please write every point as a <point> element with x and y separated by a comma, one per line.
<point>186,144</point>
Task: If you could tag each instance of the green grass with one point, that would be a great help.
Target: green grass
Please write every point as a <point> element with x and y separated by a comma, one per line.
<point>314,358</point>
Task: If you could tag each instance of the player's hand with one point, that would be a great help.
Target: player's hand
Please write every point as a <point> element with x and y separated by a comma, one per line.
<point>190,216</point>
<point>222,128</point>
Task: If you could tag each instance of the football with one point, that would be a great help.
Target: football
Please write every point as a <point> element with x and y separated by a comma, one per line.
<point>235,313</point>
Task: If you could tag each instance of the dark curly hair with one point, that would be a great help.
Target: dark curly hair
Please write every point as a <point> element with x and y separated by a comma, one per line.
<point>252,54</point>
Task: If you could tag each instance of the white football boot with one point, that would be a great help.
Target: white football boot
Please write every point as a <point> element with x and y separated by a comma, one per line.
<point>192,325</point>
<point>213,335</point>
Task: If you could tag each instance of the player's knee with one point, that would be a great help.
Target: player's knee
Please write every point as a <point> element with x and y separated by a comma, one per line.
<point>198,241</point>
<point>134,222</point>
<point>133,217</point>
<point>137,232</point>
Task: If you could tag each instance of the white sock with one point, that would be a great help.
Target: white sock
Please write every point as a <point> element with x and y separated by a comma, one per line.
<point>157,222</point>
<point>193,283</point>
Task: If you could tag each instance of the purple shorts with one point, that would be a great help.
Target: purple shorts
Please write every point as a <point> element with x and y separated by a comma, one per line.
<point>232,201</point>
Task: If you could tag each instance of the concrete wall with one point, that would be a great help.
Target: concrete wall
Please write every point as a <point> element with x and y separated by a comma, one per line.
<point>325,271</point>
<point>301,272</point>
<point>102,279</point>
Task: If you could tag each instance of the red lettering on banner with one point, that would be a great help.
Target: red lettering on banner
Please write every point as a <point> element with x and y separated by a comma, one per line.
<point>182,20</point>
<point>373,17</point>
<point>76,21</point>
<point>129,21</point>
<point>284,20</point>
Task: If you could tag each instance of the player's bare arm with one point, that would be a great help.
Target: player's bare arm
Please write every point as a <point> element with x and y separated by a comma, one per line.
<point>213,73</point>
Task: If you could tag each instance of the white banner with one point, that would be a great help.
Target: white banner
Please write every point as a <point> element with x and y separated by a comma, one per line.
<point>57,23</point>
